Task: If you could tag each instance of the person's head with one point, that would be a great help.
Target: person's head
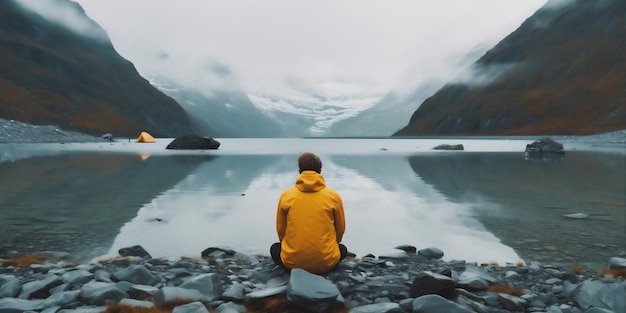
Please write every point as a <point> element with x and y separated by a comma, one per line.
<point>309,162</point>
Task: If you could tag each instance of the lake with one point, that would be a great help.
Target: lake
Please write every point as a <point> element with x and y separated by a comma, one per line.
<point>488,203</point>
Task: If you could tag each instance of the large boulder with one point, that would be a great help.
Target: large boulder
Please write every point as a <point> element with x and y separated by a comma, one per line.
<point>193,142</point>
<point>136,250</point>
<point>545,146</point>
<point>594,293</point>
<point>312,293</point>
<point>431,283</point>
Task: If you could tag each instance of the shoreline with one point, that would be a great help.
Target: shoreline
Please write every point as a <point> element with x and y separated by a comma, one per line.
<point>12,131</point>
<point>223,278</point>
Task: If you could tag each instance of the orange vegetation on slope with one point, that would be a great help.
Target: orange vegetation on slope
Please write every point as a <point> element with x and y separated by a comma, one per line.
<point>23,261</point>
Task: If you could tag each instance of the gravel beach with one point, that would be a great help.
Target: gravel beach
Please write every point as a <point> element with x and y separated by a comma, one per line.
<point>17,132</point>
<point>224,280</point>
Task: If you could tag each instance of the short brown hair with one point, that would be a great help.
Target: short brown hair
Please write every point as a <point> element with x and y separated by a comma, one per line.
<point>309,162</point>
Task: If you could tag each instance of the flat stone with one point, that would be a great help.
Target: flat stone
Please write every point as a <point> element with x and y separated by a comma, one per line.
<point>137,250</point>
<point>193,307</point>
<point>431,283</point>
<point>431,253</point>
<point>437,304</point>
<point>311,292</point>
<point>137,303</point>
<point>14,305</point>
<point>39,286</point>
<point>267,292</point>
<point>167,295</point>
<point>207,284</point>
<point>136,274</point>
<point>617,263</point>
<point>388,307</point>
<point>61,299</point>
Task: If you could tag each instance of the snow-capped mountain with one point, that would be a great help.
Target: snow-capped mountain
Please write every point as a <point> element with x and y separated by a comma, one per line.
<point>311,115</point>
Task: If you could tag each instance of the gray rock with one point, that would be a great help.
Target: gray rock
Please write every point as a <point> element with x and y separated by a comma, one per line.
<point>137,250</point>
<point>431,253</point>
<point>234,292</point>
<point>104,296</point>
<point>437,304</point>
<point>10,286</point>
<point>267,292</point>
<point>142,291</point>
<point>593,293</point>
<point>14,305</point>
<point>512,303</point>
<point>231,307</point>
<point>193,142</point>
<point>215,252</point>
<point>311,292</point>
<point>61,299</point>
<point>41,286</point>
<point>193,307</point>
<point>543,147</point>
<point>85,309</point>
<point>427,282</point>
<point>136,274</point>
<point>617,263</point>
<point>103,276</point>
<point>449,147</point>
<point>207,284</point>
<point>407,248</point>
<point>137,303</point>
<point>167,295</point>
<point>599,310</point>
<point>78,277</point>
<point>407,304</point>
<point>474,279</point>
<point>98,293</point>
<point>389,307</point>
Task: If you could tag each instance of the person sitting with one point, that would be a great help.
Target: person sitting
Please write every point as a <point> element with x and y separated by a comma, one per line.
<point>310,222</point>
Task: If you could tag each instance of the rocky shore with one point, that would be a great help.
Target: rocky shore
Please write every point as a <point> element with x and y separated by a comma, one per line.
<point>12,131</point>
<point>227,281</point>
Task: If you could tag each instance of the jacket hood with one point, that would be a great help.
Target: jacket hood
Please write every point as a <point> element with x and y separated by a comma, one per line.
<point>310,181</point>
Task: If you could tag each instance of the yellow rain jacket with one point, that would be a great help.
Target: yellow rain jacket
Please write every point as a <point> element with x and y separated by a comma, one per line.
<point>310,223</point>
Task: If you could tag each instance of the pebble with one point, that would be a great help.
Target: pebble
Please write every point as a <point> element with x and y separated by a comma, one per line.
<point>231,281</point>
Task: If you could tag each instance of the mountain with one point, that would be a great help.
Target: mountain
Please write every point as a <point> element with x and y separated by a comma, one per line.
<point>393,109</point>
<point>220,113</point>
<point>396,107</point>
<point>310,114</point>
<point>561,72</point>
<point>53,74</point>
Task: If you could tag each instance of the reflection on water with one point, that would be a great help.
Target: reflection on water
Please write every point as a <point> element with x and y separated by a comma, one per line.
<point>478,206</point>
<point>77,202</point>
<point>524,202</point>
<point>232,201</point>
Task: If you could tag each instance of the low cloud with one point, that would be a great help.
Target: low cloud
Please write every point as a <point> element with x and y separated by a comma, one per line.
<point>332,49</point>
<point>480,75</point>
<point>67,14</point>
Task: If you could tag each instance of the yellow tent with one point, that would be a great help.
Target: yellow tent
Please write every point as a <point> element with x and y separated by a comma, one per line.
<point>145,137</point>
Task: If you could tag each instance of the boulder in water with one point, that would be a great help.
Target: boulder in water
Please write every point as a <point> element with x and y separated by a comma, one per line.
<point>193,142</point>
<point>545,146</point>
<point>449,147</point>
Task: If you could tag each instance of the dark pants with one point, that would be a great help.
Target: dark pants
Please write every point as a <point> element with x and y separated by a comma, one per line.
<point>275,253</point>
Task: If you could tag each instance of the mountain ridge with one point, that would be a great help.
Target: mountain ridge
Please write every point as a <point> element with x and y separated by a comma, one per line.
<point>565,76</point>
<point>55,76</point>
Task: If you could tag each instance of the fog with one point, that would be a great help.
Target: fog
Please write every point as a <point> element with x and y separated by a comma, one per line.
<point>294,56</point>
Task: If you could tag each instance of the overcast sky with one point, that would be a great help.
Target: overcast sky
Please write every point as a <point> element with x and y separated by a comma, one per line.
<point>334,47</point>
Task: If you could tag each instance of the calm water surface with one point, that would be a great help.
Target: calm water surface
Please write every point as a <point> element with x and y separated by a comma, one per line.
<point>485,204</point>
